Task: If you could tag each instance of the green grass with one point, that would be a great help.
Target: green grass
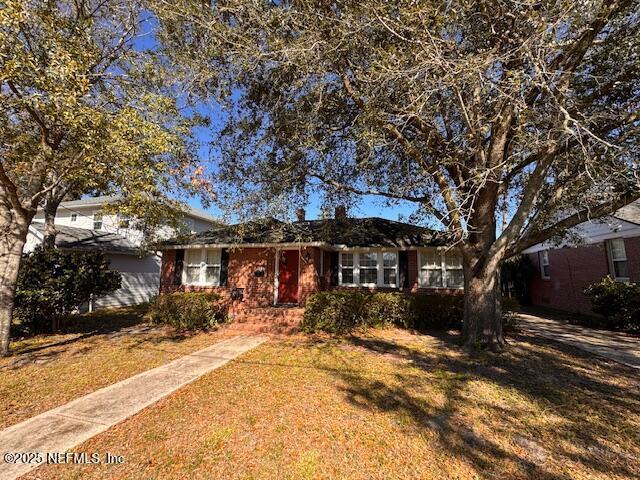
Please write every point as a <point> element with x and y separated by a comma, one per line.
<point>383,405</point>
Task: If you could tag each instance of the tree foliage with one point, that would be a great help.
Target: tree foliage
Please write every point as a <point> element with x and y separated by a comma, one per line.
<point>54,283</point>
<point>83,105</point>
<point>508,122</point>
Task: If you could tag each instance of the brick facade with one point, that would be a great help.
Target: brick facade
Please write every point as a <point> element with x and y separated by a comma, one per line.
<point>259,291</point>
<point>572,269</point>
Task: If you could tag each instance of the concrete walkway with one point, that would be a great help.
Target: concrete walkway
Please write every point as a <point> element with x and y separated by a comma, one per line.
<point>614,346</point>
<point>63,428</point>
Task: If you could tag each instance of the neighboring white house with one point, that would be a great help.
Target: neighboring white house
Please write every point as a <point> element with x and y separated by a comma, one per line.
<point>82,225</point>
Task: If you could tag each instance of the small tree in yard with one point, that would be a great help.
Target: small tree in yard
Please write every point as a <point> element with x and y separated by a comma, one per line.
<point>54,283</point>
<point>508,122</point>
<point>81,108</point>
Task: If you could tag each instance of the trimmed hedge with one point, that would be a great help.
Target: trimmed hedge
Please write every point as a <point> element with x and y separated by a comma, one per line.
<point>339,312</point>
<point>188,311</point>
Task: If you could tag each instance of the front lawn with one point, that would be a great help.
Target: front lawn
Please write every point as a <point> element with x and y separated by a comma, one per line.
<point>385,405</point>
<point>100,349</point>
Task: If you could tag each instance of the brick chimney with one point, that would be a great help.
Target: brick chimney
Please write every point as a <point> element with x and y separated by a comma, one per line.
<point>300,214</point>
<point>341,212</point>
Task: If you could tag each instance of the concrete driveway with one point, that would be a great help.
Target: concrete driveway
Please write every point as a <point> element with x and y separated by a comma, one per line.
<point>615,346</point>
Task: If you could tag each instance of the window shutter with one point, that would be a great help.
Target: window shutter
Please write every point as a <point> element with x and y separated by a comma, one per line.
<point>334,268</point>
<point>177,273</point>
<point>224,267</point>
<point>403,266</point>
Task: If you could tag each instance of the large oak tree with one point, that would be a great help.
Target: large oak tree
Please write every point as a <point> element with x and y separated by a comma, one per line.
<point>473,111</point>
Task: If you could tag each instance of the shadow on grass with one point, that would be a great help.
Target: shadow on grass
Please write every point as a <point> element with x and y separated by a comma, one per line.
<point>553,376</point>
<point>88,325</point>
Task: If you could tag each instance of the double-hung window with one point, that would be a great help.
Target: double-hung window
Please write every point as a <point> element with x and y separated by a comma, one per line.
<point>440,269</point>
<point>431,269</point>
<point>368,263</point>
<point>372,268</point>
<point>123,221</point>
<point>454,275</point>
<point>618,264</point>
<point>347,267</point>
<point>545,268</point>
<point>97,221</point>
<point>202,267</point>
<point>390,268</point>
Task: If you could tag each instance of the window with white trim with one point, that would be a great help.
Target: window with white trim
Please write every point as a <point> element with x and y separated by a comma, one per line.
<point>545,268</point>
<point>97,221</point>
<point>368,263</point>
<point>390,268</point>
<point>202,267</point>
<point>123,220</point>
<point>618,264</point>
<point>454,275</point>
<point>431,269</point>
<point>347,267</point>
<point>371,268</point>
<point>440,269</point>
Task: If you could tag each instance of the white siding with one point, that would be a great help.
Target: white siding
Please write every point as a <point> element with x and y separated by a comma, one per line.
<point>110,223</point>
<point>140,276</point>
<point>140,281</point>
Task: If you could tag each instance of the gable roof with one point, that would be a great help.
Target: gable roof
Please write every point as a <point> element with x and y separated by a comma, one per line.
<point>108,199</point>
<point>72,238</point>
<point>349,232</point>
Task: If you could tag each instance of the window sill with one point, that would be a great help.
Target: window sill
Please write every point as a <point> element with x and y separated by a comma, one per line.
<point>430,287</point>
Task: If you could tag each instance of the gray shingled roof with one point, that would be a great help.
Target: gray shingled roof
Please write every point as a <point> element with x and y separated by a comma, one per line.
<point>350,232</point>
<point>72,238</point>
<point>630,213</point>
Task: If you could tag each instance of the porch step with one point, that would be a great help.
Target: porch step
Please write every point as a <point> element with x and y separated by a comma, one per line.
<point>265,328</point>
<point>268,315</point>
<point>273,320</point>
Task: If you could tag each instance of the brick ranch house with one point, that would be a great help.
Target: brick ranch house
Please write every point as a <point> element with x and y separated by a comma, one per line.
<point>608,246</point>
<point>267,269</point>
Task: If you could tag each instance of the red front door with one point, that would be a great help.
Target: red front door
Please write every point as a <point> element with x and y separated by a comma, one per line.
<point>288,264</point>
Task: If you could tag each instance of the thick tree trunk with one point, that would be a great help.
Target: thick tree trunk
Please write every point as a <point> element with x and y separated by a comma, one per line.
<point>14,235</point>
<point>482,327</point>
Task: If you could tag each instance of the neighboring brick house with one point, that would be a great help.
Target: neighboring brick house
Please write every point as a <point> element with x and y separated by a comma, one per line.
<point>608,246</point>
<point>266,264</point>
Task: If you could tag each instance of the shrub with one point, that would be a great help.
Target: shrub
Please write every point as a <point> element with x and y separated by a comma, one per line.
<point>510,304</point>
<point>339,312</point>
<point>53,283</point>
<point>334,312</point>
<point>188,311</point>
<point>436,311</point>
<point>510,309</point>
<point>389,308</point>
<point>618,302</point>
